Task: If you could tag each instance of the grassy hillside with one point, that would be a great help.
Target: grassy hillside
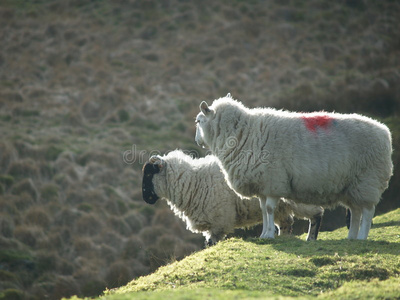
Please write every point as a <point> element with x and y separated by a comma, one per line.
<point>332,267</point>
<point>90,89</point>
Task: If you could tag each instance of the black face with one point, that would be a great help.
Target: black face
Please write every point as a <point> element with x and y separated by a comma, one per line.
<point>147,184</point>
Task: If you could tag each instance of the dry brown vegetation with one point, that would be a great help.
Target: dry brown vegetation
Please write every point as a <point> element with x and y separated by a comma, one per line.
<point>90,89</point>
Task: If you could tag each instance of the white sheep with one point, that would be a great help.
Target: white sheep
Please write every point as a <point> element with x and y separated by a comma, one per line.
<point>197,192</point>
<point>316,158</point>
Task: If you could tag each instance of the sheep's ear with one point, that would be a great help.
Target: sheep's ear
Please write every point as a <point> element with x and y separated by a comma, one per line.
<point>228,95</point>
<point>157,161</point>
<point>204,108</point>
<point>153,159</point>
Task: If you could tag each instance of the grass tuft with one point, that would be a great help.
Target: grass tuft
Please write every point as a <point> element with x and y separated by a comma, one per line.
<point>7,180</point>
<point>323,261</point>
<point>12,294</point>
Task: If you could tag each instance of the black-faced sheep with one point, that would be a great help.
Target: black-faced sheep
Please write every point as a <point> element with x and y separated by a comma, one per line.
<point>316,158</point>
<point>197,192</point>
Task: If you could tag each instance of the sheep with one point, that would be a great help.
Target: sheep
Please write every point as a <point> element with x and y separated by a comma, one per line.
<point>197,192</point>
<point>316,158</point>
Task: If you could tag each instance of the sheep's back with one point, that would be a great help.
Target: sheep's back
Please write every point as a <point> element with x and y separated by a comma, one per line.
<point>307,155</point>
<point>199,194</point>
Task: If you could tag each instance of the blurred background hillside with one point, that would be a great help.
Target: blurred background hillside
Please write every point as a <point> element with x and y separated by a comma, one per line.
<point>90,89</point>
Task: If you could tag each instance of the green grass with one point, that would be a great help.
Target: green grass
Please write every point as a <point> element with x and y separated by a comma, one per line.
<point>332,267</point>
<point>7,180</point>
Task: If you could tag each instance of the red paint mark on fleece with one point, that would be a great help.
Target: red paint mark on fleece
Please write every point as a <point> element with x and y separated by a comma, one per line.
<point>314,122</point>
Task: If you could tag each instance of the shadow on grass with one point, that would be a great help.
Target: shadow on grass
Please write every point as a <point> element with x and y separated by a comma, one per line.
<point>294,245</point>
<point>386,224</point>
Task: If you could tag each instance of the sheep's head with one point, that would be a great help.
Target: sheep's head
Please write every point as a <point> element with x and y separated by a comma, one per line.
<point>202,124</point>
<point>153,166</point>
<point>206,120</point>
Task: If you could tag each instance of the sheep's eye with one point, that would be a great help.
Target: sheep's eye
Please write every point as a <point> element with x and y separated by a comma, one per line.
<point>197,121</point>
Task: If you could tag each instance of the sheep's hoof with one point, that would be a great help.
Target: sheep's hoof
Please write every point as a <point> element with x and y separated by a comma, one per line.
<point>209,243</point>
<point>266,236</point>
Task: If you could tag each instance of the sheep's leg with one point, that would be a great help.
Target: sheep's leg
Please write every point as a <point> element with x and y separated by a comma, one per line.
<point>348,216</point>
<point>217,235</point>
<point>284,226</point>
<point>313,228</point>
<point>263,205</point>
<point>277,230</point>
<point>208,241</point>
<point>354,223</point>
<point>367,215</point>
<point>271,204</point>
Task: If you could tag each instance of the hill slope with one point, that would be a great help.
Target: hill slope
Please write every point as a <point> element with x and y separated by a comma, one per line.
<point>286,266</point>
